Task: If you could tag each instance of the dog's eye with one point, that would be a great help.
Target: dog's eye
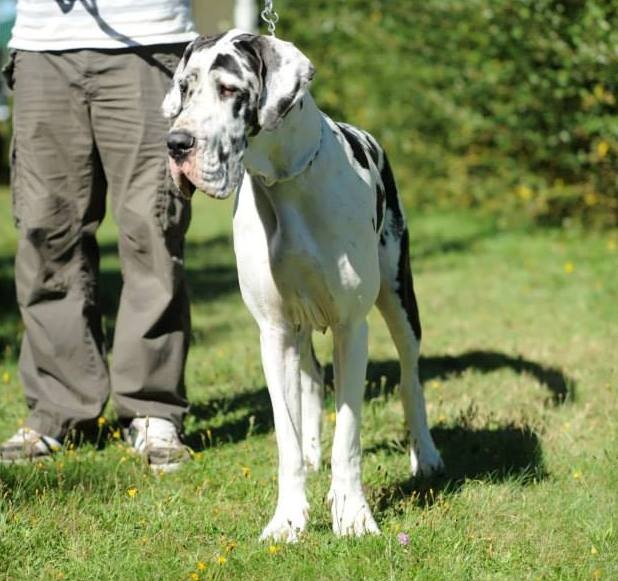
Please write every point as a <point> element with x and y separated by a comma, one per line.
<point>227,91</point>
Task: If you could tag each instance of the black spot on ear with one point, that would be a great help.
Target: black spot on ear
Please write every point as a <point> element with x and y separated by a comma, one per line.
<point>227,63</point>
<point>200,43</point>
<point>357,148</point>
<point>285,103</point>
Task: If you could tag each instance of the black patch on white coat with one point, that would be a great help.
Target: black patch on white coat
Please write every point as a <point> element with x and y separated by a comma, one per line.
<point>380,196</point>
<point>200,43</point>
<point>354,142</point>
<point>392,199</point>
<point>405,286</point>
<point>397,230</point>
<point>228,63</point>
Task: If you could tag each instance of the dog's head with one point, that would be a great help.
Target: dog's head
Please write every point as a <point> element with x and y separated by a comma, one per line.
<point>225,90</point>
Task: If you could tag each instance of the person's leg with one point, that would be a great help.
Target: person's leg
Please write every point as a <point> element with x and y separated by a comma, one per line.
<point>152,329</point>
<point>58,190</point>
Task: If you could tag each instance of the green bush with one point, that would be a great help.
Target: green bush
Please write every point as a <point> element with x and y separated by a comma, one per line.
<point>508,105</point>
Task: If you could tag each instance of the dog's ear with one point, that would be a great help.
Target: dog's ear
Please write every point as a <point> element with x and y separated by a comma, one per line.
<point>172,103</point>
<point>285,72</point>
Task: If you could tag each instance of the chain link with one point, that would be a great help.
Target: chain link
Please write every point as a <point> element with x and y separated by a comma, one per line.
<point>270,16</point>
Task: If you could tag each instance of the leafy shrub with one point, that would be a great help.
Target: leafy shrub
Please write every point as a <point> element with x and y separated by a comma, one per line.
<point>507,105</point>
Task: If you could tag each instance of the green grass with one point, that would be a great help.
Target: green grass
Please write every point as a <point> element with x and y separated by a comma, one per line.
<point>519,364</point>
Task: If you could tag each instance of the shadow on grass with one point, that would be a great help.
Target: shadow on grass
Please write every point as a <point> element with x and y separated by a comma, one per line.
<point>504,453</point>
<point>383,376</point>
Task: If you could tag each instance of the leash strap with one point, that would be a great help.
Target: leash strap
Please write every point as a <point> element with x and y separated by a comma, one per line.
<point>270,16</point>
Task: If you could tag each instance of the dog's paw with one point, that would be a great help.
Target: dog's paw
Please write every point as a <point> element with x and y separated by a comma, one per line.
<point>351,514</point>
<point>425,459</point>
<point>288,524</point>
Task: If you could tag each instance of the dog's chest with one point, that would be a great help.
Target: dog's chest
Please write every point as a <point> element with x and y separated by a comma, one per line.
<point>303,260</point>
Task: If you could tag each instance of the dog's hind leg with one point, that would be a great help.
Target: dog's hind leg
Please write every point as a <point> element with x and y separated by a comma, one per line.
<point>281,362</point>
<point>397,303</point>
<point>350,511</point>
<point>312,387</point>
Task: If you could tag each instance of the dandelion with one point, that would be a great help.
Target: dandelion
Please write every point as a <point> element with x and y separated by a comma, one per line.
<point>194,576</point>
<point>132,491</point>
<point>577,474</point>
<point>221,560</point>
<point>594,551</point>
<point>273,549</point>
<point>403,539</point>
<point>6,377</point>
<point>569,267</point>
<point>246,471</point>
<point>435,384</point>
<point>116,434</point>
<point>101,421</point>
<point>201,566</point>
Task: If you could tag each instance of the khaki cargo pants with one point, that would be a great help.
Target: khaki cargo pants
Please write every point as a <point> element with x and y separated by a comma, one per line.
<point>87,124</point>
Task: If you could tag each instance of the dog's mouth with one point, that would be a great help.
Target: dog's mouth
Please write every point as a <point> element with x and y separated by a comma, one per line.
<point>180,174</point>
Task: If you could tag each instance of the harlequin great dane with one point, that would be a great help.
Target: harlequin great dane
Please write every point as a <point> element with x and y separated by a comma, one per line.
<point>319,235</point>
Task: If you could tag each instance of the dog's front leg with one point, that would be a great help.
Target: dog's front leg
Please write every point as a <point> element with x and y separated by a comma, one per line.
<point>312,386</point>
<point>350,511</point>
<point>281,361</point>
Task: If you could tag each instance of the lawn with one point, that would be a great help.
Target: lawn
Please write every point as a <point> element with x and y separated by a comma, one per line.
<point>520,372</point>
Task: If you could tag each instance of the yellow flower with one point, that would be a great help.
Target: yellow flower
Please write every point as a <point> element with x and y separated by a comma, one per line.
<point>101,421</point>
<point>569,267</point>
<point>230,546</point>
<point>246,471</point>
<point>116,434</point>
<point>194,576</point>
<point>132,491</point>
<point>201,566</point>
<point>435,384</point>
<point>524,192</point>
<point>6,377</point>
<point>602,149</point>
<point>273,549</point>
<point>577,474</point>
<point>221,560</point>
<point>594,551</point>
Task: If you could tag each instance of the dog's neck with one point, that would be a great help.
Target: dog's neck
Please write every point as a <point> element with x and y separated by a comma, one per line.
<point>285,152</point>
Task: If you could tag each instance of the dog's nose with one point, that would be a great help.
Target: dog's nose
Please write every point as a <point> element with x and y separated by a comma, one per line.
<point>179,142</point>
